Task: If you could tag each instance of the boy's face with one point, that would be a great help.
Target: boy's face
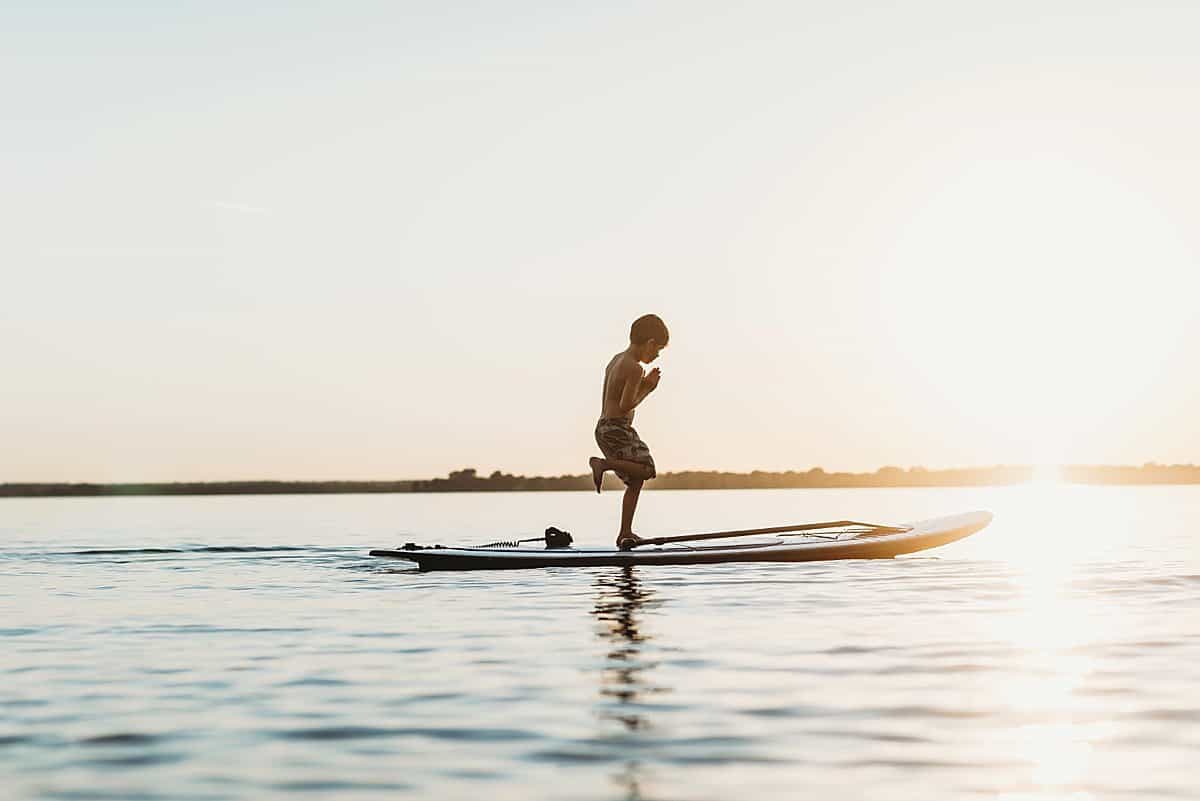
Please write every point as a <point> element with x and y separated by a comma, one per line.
<point>650,351</point>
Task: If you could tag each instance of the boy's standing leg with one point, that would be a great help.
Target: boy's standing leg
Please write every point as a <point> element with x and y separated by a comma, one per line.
<point>628,506</point>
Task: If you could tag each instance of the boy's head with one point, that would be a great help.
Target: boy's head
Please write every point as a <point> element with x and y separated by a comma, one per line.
<point>649,335</point>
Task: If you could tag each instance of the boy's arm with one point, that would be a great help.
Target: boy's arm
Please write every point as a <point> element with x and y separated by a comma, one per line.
<point>637,387</point>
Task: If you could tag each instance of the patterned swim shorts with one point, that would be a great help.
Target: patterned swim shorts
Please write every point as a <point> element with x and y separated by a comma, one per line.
<point>618,440</point>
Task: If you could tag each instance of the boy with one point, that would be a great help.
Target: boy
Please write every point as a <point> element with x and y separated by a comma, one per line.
<point>625,386</point>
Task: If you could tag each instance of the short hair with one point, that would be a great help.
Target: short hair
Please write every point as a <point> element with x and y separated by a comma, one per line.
<point>648,327</point>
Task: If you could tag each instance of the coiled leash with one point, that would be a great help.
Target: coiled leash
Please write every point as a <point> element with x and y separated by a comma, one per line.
<point>554,538</point>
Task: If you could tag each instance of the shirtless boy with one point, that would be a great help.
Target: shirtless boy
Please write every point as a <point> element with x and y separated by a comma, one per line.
<point>625,386</point>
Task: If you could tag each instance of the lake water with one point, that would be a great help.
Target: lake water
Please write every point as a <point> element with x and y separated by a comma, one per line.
<point>248,648</point>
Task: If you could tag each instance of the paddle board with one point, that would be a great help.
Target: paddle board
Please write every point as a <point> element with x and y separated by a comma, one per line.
<point>851,542</point>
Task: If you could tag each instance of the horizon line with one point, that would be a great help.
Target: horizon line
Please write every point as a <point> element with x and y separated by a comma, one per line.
<point>499,472</point>
<point>468,479</point>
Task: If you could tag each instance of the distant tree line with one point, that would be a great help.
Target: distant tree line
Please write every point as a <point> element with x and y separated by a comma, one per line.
<point>469,480</point>
<point>205,488</point>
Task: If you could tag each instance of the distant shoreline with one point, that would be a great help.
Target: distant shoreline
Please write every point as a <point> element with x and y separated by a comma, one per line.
<point>468,480</point>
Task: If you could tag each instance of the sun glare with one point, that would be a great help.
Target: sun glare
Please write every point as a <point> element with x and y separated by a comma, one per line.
<point>1053,723</point>
<point>1010,285</point>
<point>1046,475</point>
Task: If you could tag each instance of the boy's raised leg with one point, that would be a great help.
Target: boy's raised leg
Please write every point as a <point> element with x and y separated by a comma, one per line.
<point>635,470</point>
<point>598,466</point>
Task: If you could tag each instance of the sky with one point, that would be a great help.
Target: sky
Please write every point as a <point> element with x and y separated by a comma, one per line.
<point>381,240</point>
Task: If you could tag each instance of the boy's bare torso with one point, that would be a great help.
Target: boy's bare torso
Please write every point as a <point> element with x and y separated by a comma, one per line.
<point>616,374</point>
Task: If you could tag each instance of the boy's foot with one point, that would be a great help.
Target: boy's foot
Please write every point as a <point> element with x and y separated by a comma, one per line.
<point>625,542</point>
<point>598,467</point>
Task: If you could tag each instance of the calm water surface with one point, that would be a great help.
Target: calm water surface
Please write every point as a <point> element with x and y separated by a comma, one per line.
<point>247,648</point>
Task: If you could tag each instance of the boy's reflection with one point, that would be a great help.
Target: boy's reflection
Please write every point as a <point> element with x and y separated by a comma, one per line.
<point>620,601</point>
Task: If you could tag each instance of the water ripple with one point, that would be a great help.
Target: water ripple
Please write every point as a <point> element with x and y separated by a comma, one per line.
<point>361,732</point>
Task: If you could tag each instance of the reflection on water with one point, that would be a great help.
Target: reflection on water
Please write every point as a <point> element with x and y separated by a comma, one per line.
<point>624,679</point>
<point>1054,714</point>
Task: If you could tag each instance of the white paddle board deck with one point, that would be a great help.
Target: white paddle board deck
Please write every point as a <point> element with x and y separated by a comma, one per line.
<point>850,543</point>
